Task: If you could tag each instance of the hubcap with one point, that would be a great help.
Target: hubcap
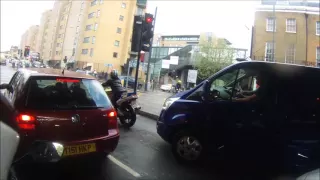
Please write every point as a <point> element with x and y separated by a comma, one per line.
<point>189,148</point>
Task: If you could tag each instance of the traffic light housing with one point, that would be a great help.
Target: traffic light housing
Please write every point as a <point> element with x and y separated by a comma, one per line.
<point>136,34</point>
<point>26,51</point>
<point>147,32</point>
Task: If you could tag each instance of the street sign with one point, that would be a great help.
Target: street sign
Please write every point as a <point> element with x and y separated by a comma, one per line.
<point>192,76</point>
<point>108,65</point>
<point>165,64</point>
<point>174,60</point>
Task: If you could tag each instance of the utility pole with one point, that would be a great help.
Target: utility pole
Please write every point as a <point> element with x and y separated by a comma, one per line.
<point>150,52</point>
<point>274,29</point>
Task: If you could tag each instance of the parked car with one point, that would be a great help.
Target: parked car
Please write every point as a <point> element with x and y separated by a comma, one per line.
<point>166,87</point>
<point>4,62</point>
<point>131,82</point>
<point>258,110</point>
<point>66,108</point>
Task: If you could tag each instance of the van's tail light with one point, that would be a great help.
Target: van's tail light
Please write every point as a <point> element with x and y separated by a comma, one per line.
<point>112,119</point>
<point>26,121</point>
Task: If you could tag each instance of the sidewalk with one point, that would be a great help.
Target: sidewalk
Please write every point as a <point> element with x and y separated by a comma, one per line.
<point>151,103</point>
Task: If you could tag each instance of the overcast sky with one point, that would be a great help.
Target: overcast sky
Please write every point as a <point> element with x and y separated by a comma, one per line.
<point>228,19</point>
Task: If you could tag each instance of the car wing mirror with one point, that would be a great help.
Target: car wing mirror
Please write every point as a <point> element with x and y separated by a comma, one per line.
<point>204,90</point>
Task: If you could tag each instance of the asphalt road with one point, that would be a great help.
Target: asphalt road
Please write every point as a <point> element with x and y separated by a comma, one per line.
<point>141,154</point>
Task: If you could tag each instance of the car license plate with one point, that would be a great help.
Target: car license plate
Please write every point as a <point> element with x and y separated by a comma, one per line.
<point>79,149</point>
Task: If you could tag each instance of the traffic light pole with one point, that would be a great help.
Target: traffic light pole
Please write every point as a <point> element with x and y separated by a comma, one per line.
<point>138,63</point>
<point>150,52</point>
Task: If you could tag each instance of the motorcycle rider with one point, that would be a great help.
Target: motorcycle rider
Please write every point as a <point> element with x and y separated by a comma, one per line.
<point>178,84</point>
<point>115,83</point>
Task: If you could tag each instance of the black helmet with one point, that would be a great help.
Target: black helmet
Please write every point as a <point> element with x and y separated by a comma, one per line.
<point>114,74</point>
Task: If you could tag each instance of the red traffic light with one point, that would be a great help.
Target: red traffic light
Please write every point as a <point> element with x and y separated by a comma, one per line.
<point>149,20</point>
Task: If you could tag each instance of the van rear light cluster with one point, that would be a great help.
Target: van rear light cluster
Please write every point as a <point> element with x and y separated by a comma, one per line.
<point>26,121</point>
<point>112,119</point>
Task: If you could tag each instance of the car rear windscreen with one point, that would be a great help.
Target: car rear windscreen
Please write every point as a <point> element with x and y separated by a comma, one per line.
<point>65,93</point>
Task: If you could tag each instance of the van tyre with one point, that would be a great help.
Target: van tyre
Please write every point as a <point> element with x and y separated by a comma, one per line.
<point>187,148</point>
<point>130,120</point>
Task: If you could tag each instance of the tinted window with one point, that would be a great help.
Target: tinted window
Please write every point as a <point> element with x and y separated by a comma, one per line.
<point>53,92</point>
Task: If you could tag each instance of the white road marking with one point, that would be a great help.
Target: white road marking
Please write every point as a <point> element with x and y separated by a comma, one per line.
<point>123,166</point>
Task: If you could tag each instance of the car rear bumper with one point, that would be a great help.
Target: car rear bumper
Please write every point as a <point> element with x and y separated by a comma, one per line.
<point>104,144</point>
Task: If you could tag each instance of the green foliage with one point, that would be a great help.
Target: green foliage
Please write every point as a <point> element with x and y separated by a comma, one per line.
<point>212,57</point>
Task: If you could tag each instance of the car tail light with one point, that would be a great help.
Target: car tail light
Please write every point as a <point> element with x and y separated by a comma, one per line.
<point>112,118</point>
<point>26,121</point>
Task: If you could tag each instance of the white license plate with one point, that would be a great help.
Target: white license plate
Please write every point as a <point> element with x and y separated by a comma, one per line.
<point>134,104</point>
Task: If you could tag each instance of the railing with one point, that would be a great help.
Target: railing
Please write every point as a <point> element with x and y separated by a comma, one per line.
<point>282,60</point>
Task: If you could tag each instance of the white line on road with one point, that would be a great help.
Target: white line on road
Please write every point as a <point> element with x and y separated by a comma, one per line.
<point>123,166</point>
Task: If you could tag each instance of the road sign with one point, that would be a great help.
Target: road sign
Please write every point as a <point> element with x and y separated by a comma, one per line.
<point>108,65</point>
<point>192,76</point>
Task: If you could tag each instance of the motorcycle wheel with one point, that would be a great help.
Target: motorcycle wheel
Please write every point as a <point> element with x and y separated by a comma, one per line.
<point>130,120</point>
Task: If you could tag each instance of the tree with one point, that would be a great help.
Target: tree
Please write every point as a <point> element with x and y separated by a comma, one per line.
<point>212,57</point>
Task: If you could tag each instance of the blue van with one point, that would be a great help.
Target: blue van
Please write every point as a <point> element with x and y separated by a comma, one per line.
<point>252,105</point>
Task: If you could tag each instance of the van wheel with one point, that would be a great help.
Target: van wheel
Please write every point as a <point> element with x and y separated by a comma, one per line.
<point>187,148</point>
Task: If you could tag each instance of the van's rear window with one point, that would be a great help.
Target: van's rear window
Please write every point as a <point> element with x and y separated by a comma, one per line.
<point>65,93</point>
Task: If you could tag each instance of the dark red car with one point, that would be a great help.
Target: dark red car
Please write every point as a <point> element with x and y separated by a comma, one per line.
<point>62,107</point>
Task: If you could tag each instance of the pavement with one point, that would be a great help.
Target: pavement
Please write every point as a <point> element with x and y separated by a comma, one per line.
<point>151,103</point>
<point>140,155</point>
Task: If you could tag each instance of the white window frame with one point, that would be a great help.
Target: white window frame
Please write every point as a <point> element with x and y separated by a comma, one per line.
<point>95,28</point>
<point>268,22</point>
<point>93,40</point>
<point>266,54</point>
<point>123,5</point>
<point>79,18</point>
<point>101,1</point>
<point>318,28</point>
<point>290,52</point>
<point>318,56</point>
<point>116,43</point>
<point>98,13</point>
<point>91,52</point>
<point>288,24</point>
<point>77,29</point>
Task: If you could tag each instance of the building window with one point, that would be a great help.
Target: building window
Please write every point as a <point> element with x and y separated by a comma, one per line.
<point>79,18</point>
<point>116,43</point>
<point>81,5</point>
<point>91,52</point>
<point>318,56</point>
<point>119,30</point>
<point>88,27</point>
<point>73,51</point>
<point>58,45</point>
<point>75,41</point>
<point>291,25</point>
<point>98,13</point>
<point>121,18</point>
<point>77,29</point>
<point>61,27</point>
<point>123,5</point>
<point>318,28</point>
<point>84,51</point>
<point>95,26</point>
<point>270,23</point>
<point>290,54</point>
<point>86,39</point>
<point>115,54</point>
<point>91,15</point>
<point>94,2</point>
<point>101,1</point>
<point>139,11</point>
<point>269,52</point>
<point>62,17</point>
<point>93,39</point>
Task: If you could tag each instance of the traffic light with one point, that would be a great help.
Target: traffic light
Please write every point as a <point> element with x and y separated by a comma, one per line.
<point>26,51</point>
<point>147,32</point>
<point>136,34</point>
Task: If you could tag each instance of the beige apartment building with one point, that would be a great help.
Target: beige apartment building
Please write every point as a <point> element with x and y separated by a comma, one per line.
<point>43,36</point>
<point>295,39</point>
<point>29,38</point>
<point>106,39</point>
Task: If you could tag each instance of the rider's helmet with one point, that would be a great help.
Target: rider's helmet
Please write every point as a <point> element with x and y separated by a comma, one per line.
<point>114,74</point>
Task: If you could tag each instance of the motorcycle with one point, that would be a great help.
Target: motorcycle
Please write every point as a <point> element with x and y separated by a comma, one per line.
<point>127,107</point>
